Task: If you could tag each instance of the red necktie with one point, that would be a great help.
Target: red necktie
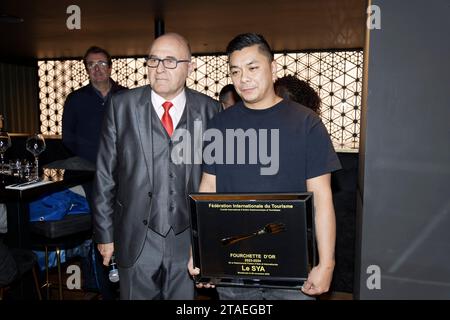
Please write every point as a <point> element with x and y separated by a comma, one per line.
<point>166,118</point>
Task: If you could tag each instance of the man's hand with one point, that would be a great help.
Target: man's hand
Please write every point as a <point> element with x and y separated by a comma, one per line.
<point>319,280</point>
<point>106,250</point>
<point>196,271</point>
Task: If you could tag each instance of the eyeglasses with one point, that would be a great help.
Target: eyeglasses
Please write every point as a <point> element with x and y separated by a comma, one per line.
<point>100,64</point>
<point>169,63</point>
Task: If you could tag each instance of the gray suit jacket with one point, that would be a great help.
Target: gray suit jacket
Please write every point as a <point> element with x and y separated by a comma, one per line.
<point>123,184</point>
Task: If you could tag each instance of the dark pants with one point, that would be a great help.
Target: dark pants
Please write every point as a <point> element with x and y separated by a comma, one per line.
<point>108,290</point>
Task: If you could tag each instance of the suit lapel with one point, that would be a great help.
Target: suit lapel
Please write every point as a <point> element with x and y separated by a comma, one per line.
<point>192,115</point>
<point>144,111</point>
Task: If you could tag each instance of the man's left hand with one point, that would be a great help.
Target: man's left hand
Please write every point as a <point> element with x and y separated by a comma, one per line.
<point>319,280</point>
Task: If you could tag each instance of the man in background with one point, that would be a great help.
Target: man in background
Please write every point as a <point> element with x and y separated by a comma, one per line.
<point>84,108</point>
<point>228,96</point>
<point>292,88</point>
<point>81,124</point>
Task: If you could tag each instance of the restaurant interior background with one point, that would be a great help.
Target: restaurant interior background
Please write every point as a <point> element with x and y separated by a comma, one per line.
<point>383,88</point>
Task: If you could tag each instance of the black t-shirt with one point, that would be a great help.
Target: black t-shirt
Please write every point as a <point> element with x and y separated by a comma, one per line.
<point>304,149</point>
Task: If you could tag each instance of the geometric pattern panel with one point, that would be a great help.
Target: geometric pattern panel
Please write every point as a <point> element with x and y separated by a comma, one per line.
<point>210,75</point>
<point>336,76</point>
<point>56,80</point>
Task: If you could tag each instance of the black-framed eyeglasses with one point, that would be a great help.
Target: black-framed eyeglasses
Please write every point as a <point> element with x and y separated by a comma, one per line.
<point>169,63</point>
<point>100,64</point>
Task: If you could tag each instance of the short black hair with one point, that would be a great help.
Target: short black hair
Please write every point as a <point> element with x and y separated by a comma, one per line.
<point>229,88</point>
<point>292,88</point>
<point>95,49</point>
<point>245,40</point>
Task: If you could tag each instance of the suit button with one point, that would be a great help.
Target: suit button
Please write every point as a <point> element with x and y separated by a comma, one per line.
<point>170,175</point>
<point>171,192</point>
<point>171,208</point>
<point>149,194</point>
<point>145,222</point>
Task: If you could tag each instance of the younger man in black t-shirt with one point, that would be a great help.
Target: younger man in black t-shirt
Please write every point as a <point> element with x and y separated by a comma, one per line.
<point>301,157</point>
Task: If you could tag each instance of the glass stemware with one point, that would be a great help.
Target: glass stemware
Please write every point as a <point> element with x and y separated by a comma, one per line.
<point>36,145</point>
<point>5,143</point>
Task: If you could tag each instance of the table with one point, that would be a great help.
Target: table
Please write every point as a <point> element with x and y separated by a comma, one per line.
<point>17,201</point>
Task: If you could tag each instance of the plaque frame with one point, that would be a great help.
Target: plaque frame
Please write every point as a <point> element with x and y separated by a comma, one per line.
<point>230,231</point>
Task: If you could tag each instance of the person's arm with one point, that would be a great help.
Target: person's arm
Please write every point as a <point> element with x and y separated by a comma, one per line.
<point>69,125</point>
<point>207,184</point>
<point>105,186</point>
<point>319,279</point>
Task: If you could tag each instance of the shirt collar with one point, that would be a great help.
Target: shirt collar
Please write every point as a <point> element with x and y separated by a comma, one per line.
<point>178,102</point>
<point>104,98</point>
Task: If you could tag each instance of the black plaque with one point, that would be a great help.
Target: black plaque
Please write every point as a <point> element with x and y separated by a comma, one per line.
<point>264,240</point>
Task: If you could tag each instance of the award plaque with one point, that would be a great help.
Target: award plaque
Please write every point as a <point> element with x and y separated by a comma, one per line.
<point>264,240</point>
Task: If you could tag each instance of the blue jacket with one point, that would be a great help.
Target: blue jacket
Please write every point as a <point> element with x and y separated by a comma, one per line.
<point>57,205</point>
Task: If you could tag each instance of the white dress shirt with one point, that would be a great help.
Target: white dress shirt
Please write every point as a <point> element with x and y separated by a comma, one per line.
<point>179,103</point>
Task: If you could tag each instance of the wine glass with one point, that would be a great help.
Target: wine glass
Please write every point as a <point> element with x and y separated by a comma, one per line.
<point>36,145</point>
<point>5,143</point>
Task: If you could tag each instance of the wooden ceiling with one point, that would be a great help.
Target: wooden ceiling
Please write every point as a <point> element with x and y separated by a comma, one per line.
<point>126,28</point>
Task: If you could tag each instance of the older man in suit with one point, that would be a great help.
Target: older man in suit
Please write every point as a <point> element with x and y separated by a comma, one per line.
<point>141,186</point>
